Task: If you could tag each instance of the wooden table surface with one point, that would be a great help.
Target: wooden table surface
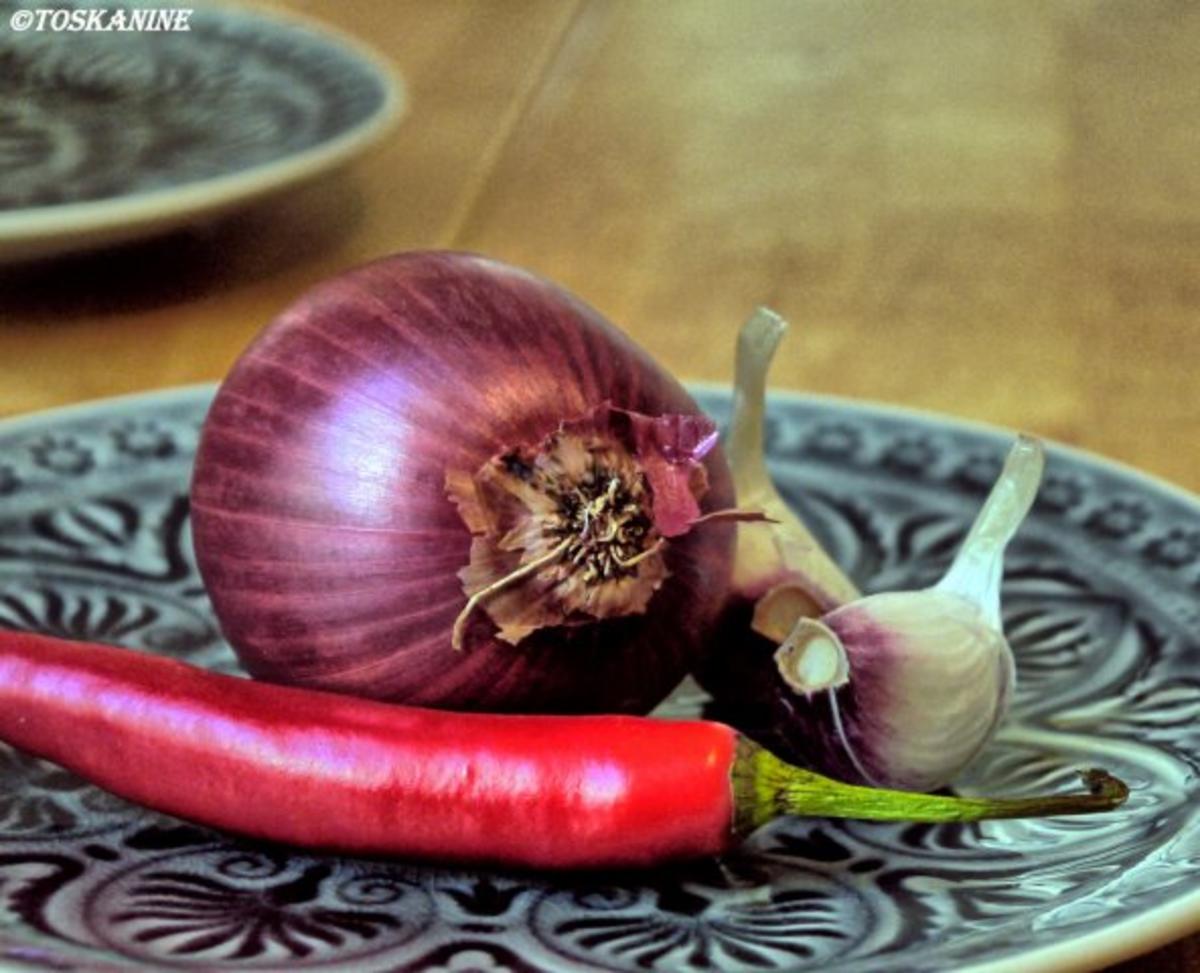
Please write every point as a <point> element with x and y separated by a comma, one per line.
<point>989,209</point>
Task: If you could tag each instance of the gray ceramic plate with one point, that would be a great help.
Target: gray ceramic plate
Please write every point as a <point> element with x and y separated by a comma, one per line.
<point>1101,606</point>
<point>108,136</point>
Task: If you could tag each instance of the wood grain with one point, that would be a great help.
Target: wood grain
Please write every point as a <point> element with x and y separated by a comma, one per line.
<point>180,309</point>
<point>987,208</point>
<point>919,187</point>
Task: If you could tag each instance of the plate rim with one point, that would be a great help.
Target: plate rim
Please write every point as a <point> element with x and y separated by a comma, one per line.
<point>1112,944</point>
<point>44,231</point>
<point>961,423</point>
<point>705,387</point>
<point>1124,939</point>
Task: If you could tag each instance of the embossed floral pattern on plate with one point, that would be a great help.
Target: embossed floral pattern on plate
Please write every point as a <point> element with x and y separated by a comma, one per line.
<point>111,135</point>
<point>96,115</point>
<point>1101,607</point>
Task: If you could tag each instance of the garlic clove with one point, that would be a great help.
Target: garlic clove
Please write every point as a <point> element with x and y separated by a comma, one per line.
<point>775,613</point>
<point>930,671</point>
<point>930,680</point>
<point>899,689</point>
<point>783,551</point>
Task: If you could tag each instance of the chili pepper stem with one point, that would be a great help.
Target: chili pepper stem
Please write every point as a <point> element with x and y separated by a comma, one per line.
<point>766,787</point>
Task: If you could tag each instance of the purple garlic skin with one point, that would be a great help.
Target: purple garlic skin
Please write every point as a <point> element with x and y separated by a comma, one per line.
<point>749,694</point>
<point>898,689</point>
<point>932,680</point>
<point>927,677</point>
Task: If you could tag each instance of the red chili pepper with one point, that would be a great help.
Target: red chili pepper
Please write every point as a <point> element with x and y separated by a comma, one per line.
<point>325,771</point>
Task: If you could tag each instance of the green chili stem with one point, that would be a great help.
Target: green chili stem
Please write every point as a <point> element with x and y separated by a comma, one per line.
<point>766,787</point>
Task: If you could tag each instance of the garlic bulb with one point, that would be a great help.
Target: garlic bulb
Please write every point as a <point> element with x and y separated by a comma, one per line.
<point>931,670</point>
<point>899,689</point>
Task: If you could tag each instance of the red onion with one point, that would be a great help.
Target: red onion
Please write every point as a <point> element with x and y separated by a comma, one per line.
<point>435,425</point>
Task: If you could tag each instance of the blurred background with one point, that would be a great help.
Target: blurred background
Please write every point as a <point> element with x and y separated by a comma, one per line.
<point>985,208</point>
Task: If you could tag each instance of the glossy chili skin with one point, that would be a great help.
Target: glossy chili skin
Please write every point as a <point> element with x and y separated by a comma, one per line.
<point>325,771</point>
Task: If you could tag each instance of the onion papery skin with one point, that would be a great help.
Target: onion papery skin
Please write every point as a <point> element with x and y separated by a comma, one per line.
<point>321,522</point>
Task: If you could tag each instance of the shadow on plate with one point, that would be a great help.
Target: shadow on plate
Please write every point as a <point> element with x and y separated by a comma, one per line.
<point>251,244</point>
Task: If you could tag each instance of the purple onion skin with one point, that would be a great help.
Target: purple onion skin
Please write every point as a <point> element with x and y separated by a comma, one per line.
<point>322,527</point>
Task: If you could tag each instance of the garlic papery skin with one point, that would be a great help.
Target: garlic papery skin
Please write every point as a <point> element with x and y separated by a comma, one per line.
<point>781,560</point>
<point>928,674</point>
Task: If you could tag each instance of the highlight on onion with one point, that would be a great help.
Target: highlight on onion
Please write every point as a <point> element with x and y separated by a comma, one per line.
<point>442,480</point>
<point>896,689</point>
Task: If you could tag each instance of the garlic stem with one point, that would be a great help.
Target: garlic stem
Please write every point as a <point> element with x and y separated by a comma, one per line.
<point>766,787</point>
<point>756,346</point>
<point>978,567</point>
<point>783,552</point>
